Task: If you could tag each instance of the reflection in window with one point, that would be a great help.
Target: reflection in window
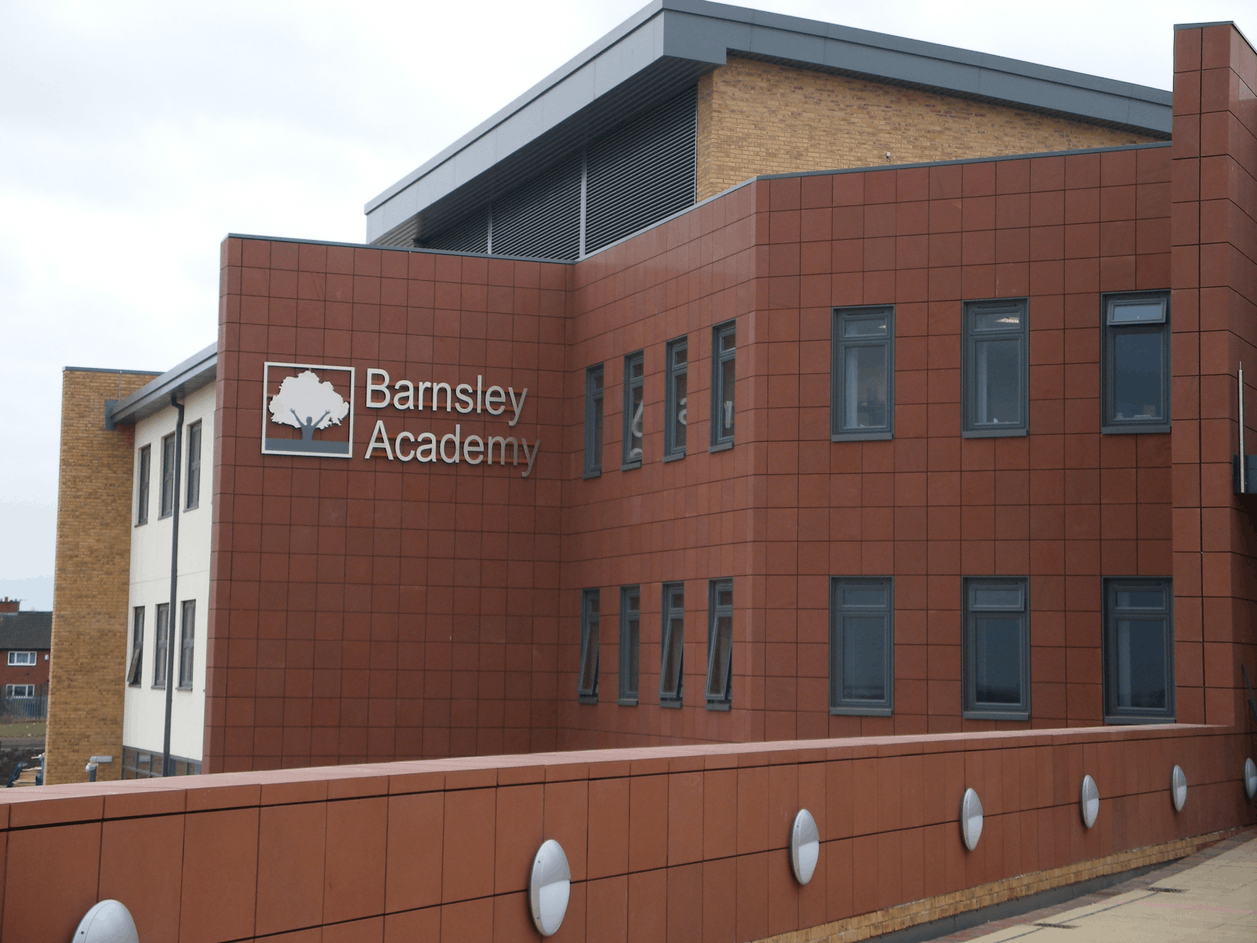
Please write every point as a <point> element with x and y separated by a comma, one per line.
<point>1136,363</point>
<point>676,396</point>
<point>634,406</point>
<point>863,373</point>
<point>995,385</point>
<point>671,660</point>
<point>996,643</point>
<point>861,647</point>
<point>720,642</point>
<point>1138,651</point>
<point>587,683</point>
<point>724,376</point>
<point>630,642</point>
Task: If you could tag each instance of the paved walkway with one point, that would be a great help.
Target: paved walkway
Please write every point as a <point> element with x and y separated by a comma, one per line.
<point>1208,897</point>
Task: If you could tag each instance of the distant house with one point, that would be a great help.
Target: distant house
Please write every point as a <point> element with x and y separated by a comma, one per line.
<point>25,642</point>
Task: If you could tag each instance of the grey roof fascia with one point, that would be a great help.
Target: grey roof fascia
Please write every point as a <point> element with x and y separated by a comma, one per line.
<point>197,371</point>
<point>704,34</point>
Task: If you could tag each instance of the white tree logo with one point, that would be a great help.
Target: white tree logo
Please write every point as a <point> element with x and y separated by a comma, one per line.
<point>303,397</point>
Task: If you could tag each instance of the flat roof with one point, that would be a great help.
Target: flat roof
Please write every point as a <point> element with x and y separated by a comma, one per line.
<point>197,371</point>
<point>666,46</point>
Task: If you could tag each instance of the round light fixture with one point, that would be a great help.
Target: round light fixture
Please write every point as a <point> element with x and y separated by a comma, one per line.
<point>805,846</point>
<point>549,887</point>
<point>1089,801</point>
<point>1250,778</point>
<point>107,922</point>
<point>971,819</point>
<point>1178,788</point>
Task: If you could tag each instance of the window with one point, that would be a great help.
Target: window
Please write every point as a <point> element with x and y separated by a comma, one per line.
<point>19,690</point>
<point>168,475</point>
<point>676,392</point>
<point>630,642</point>
<point>1138,650</point>
<point>141,497</point>
<point>587,685</point>
<point>136,667</point>
<point>593,421</point>
<point>723,379</point>
<point>861,647</point>
<point>161,651</point>
<point>719,643</point>
<point>22,658</point>
<point>193,498</point>
<point>671,661</point>
<point>862,401</point>
<point>634,405</point>
<point>995,366</point>
<point>1137,363</point>
<point>996,649</point>
<point>187,641</point>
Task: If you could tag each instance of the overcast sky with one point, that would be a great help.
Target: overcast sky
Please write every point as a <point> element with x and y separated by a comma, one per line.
<point>135,135</point>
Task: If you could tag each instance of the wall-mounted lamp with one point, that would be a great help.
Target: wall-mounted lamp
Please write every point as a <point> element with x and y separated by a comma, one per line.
<point>1250,778</point>
<point>971,819</point>
<point>107,922</point>
<point>805,846</point>
<point>1178,788</point>
<point>1089,801</point>
<point>549,887</point>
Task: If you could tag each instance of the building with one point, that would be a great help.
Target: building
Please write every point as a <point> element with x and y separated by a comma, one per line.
<point>25,639</point>
<point>881,396</point>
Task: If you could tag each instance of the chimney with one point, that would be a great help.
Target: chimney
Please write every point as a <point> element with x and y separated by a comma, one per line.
<point>8,605</point>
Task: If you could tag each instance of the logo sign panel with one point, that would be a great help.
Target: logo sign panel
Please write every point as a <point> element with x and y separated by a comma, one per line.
<point>307,409</point>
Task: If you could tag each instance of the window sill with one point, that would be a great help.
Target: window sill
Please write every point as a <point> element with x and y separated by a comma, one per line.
<point>861,436</point>
<point>587,698</point>
<point>675,457</point>
<point>192,507</point>
<point>1127,719</point>
<point>629,466</point>
<point>721,447</point>
<point>980,714</point>
<point>592,474</point>
<point>718,705</point>
<point>851,711</point>
<point>670,702</point>
<point>627,701</point>
<point>184,687</point>
<point>1132,428</point>
<point>993,433</point>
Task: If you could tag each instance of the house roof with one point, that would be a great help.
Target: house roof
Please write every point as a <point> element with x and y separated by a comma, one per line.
<point>29,631</point>
<point>662,50</point>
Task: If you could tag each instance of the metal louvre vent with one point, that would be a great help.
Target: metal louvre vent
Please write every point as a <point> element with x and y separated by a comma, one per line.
<point>642,172</point>
<point>541,219</point>
<point>403,235</point>
<point>469,235</point>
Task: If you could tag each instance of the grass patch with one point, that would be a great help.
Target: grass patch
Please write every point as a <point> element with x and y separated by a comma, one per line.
<point>30,729</point>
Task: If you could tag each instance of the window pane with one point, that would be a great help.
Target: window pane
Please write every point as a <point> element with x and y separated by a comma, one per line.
<point>865,393</point>
<point>1141,669</point>
<point>722,649</point>
<point>997,650</point>
<point>724,598</point>
<point>997,381</point>
<point>1139,311</point>
<point>672,657</point>
<point>728,373</point>
<point>630,641</point>
<point>997,598</point>
<point>864,327</point>
<point>1138,374</point>
<point>864,596</point>
<point>1141,598</point>
<point>864,657</point>
<point>680,395</point>
<point>997,321</point>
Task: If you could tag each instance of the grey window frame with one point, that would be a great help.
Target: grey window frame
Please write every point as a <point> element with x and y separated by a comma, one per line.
<point>839,345</point>
<point>630,647</point>
<point>187,643</point>
<point>1114,714</point>
<point>675,412</point>
<point>839,701</point>
<point>989,710</point>
<point>719,691</point>
<point>970,427</point>
<point>1109,423</point>
<point>135,668</point>
<point>595,394</point>
<point>722,361</point>
<point>632,384</point>
<point>144,485</point>
<point>167,496</point>
<point>161,654</point>
<point>193,491</point>
<point>670,643</point>
<point>590,632</point>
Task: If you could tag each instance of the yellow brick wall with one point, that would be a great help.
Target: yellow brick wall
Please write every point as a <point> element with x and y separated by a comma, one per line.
<point>92,577</point>
<point>762,118</point>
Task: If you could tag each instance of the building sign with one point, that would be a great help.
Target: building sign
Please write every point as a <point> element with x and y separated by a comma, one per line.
<point>312,399</point>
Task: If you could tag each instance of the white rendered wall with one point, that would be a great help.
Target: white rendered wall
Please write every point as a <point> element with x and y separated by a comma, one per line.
<point>144,717</point>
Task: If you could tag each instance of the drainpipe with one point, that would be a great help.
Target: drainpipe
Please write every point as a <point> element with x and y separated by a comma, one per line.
<point>167,768</point>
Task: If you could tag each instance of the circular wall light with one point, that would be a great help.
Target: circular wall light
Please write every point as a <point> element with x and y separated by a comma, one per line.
<point>1250,778</point>
<point>549,887</point>
<point>107,922</point>
<point>1089,801</point>
<point>971,819</point>
<point>805,846</point>
<point>1178,788</point>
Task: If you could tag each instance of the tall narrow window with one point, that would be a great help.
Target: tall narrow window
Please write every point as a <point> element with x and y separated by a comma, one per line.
<point>136,667</point>
<point>675,399</point>
<point>862,399</point>
<point>145,475</point>
<point>723,379</point>
<point>671,664</point>
<point>593,421</point>
<point>861,647</point>
<point>168,475</point>
<point>996,649</point>
<point>634,406</point>
<point>161,650</point>
<point>719,643</point>
<point>630,642</point>
<point>1138,651</point>
<point>187,644</point>
<point>587,684</point>
<point>1137,362</point>
<point>194,466</point>
<point>995,367</point>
